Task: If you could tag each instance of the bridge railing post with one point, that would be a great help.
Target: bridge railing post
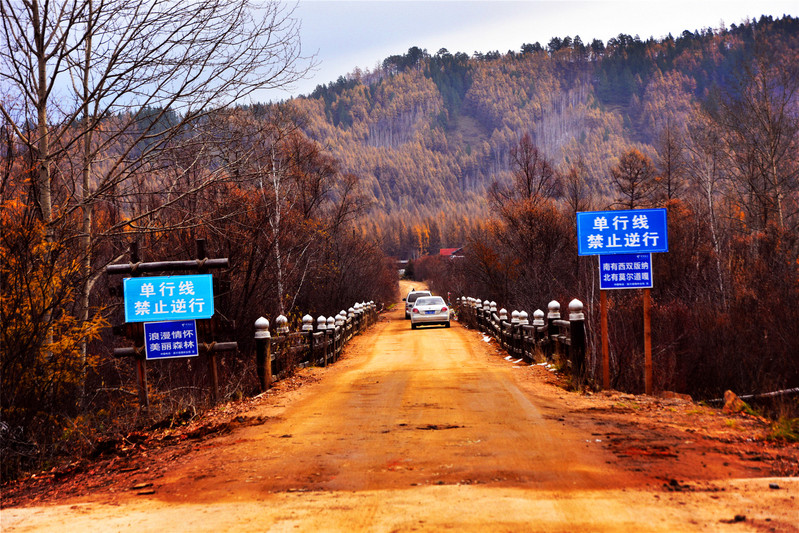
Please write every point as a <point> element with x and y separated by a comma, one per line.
<point>330,340</point>
<point>350,323</point>
<point>307,329</point>
<point>503,329</point>
<point>281,331</point>
<point>515,331</point>
<point>341,321</point>
<point>552,329</point>
<point>539,332</point>
<point>321,332</point>
<point>577,334</point>
<point>472,311</point>
<point>263,357</point>
<point>523,321</point>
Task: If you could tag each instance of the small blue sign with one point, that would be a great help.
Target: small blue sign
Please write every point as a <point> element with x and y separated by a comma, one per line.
<point>164,340</point>
<point>622,232</point>
<point>160,298</point>
<point>625,271</point>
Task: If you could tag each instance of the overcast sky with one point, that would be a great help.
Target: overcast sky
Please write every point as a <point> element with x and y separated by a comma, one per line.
<point>348,34</point>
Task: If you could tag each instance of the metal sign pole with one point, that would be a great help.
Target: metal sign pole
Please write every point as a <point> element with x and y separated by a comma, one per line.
<point>141,381</point>
<point>647,343</point>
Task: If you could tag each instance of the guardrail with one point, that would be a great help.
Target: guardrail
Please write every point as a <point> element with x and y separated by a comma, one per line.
<point>278,356</point>
<point>548,336</point>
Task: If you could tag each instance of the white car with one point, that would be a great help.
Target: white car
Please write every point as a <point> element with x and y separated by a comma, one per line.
<point>429,310</point>
<point>411,299</point>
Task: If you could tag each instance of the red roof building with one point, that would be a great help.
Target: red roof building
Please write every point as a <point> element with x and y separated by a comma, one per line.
<point>451,252</point>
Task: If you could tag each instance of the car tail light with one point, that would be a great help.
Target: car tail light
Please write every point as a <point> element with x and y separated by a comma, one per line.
<point>415,310</point>
<point>444,309</point>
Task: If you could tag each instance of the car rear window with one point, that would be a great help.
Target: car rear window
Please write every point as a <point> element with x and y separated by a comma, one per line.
<point>435,300</point>
<point>414,295</point>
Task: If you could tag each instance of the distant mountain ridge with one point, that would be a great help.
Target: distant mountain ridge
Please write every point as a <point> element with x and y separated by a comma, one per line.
<point>431,132</point>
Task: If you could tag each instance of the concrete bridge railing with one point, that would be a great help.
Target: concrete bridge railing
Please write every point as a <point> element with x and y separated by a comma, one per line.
<point>319,342</point>
<point>548,335</point>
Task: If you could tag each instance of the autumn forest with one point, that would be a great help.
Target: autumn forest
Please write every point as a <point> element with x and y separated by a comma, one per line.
<point>313,200</point>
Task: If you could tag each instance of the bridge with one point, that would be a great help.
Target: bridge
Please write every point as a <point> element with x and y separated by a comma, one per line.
<point>435,429</point>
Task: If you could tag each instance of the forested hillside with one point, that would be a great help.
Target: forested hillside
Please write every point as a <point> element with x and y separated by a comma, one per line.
<point>428,133</point>
<point>497,152</point>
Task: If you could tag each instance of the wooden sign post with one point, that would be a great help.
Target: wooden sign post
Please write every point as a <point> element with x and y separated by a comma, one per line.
<point>603,319</point>
<point>647,342</point>
<point>624,242</point>
<point>171,300</point>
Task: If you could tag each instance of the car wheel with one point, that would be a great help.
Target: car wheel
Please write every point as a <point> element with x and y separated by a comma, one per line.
<point>413,326</point>
<point>446,325</point>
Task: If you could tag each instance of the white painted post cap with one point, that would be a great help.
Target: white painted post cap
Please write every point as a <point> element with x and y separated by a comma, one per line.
<point>576,310</point>
<point>262,328</point>
<point>282,324</point>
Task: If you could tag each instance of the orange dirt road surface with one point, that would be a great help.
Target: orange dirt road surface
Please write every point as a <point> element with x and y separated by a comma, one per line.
<point>432,430</point>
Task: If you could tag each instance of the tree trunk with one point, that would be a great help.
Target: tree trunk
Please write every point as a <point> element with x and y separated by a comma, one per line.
<point>43,178</point>
<point>274,223</point>
<point>86,206</point>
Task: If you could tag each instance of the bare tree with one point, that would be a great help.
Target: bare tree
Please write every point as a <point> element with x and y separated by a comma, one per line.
<point>157,66</point>
<point>117,81</point>
<point>760,117</point>
<point>634,178</point>
<point>704,167</point>
<point>534,177</point>
<point>670,162</point>
<point>576,192</point>
<point>298,191</point>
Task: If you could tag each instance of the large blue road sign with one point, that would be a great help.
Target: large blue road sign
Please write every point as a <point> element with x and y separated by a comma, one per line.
<point>625,271</point>
<point>622,232</point>
<point>164,340</point>
<point>160,298</point>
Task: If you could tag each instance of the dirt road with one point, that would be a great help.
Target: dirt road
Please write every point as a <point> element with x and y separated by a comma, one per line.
<point>432,430</point>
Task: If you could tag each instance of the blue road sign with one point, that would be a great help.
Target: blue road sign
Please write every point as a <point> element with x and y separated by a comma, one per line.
<point>164,340</point>
<point>625,271</point>
<point>160,298</point>
<point>633,231</point>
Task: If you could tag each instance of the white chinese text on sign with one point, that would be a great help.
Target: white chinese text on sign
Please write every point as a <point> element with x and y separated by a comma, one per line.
<point>622,232</point>
<point>162,298</point>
